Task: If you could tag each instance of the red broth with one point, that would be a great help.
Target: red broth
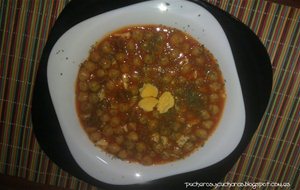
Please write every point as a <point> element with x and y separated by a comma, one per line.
<point>112,79</point>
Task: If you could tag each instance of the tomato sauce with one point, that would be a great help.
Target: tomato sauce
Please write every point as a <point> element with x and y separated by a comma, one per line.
<point>112,79</point>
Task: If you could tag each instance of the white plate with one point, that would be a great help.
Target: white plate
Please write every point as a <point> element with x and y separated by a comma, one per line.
<point>73,47</point>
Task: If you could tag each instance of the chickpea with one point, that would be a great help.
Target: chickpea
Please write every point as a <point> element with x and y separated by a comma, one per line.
<point>90,66</point>
<point>156,114</point>
<point>100,73</point>
<point>187,130</point>
<point>95,57</point>
<point>186,68</point>
<point>165,156</point>
<point>155,137</point>
<point>113,148</point>
<point>165,131</point>
<point>214,97</point>
<point>136,61</point>
<point>143,120</point>
<point>214,109</point>
<point>147,79</point>
<point>212,76</point>
<point>147,160</point>
<point>177,151</point>
<point>90,129</point>
<point>120,57</point>
<point>133,101</point>
<point>152,154</point>
<point>114,73</point>
<point>200,81</point>
<point>124,107</point>
<point>119,139</point>
<point>138,156</point>
<point>164,140</point>
<point>164,60</point>
<point>95,136</point>
<point>197,50</point>
<point>193,138</point>
<point>133,136</point>
<point>148,35</point>
<point>181,79</point>
<point>82,96</point>
<point>132,126</point>
<point>106,47</point>
<point>215,86</point>
<point>185,48</point>
<point>86,107</point>
<point>124,68</point>
<point>85,116</point>
<point>204,114</point>
<point>160,37</point>
<point>105,63</point>
<point>115,121</point>
<point>152,125</point>
<point>201,133</point>
<point>130,45</point>
<point>83,74</point>
<point>188,146</point>
<point>118,130</point>
<point>181,119</point>
<point>176,126</point>
<point>108,131</point>
<point>193,122</point>
<point>102,143</point>
<point>140,147</point>
<point>94,86</point>
<point>105,117</point>
<point>200,60</point>
<point>148,59</point>
<point>207,124</point>
<point>167,79</point>
<point>93,98</point>
<point>83,86</point>
<point>129,145</point>
<point>114,106</point>
<point>110,85</point>
<point>176,39</point>
<point>134,90</point>
<point>123,154</point>
<point>175,54</point>
<point>137,35</point>
<point>99,112</point>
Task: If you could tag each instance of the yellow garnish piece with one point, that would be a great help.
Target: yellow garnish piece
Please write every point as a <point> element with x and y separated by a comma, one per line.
<point>149,93</point>
<point>148,90</point>
<point>165,102</point>
<point>148,103</point>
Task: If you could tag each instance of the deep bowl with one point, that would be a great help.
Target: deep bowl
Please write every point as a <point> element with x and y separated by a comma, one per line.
<point>72,49</point>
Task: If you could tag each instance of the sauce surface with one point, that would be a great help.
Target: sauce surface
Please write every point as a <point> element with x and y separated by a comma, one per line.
<point>149,94</point>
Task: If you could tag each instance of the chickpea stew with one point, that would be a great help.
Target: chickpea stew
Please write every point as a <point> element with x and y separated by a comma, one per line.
<point>150,94</point>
